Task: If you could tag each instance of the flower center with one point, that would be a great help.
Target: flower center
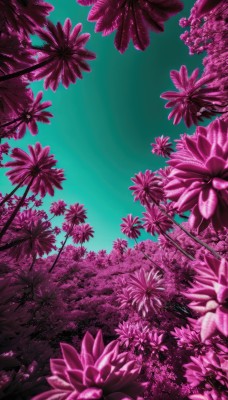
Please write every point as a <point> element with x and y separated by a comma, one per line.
<point>65,52</point>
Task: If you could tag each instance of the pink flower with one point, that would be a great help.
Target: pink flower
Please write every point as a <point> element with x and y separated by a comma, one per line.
<point>34,236</point>
<point>155,220</point>
<point>132,20</point>
<point>82,233</point>
<point>145,291</point>
<point>162,146</point>
<point>147,187</point>
<point>32,113</point>
<point>38,165</point>
<point>97,372</point>
<point>194,101</point>
<point>199,179</point>
<point>64,53</point>
<point>58,207</point>
<point>209,296</point>
<point>131,226</point>
<point>76,214</point>
<point>210,369</point>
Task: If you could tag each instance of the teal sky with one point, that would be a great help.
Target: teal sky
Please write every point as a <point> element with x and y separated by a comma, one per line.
<point>104,124</point>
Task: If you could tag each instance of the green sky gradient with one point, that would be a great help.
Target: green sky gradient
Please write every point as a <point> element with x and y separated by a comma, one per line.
<point>104,124</point>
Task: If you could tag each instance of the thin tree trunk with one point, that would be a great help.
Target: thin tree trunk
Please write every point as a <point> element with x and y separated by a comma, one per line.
<point>193,237</point>
<point>177,245</point>
<point>61,249</point>
<point>10,122</point>
<point>26,70</point>
<point>17,208</point>
<point>12,244</point>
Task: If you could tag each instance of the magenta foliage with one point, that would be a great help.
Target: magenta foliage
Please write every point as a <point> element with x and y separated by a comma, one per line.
<point>162,146</point>
<point>155,221</point>
<point>58,207</point>
<point>209,296</point>
<point>131,226</point>
<point>131,20</point>
<point>199,178</point>
<point>63,53</point>
<point>23,17</point>
<point>36,166</point>
<point>147,187</point>
<point>161,307</point>
<point>96,372</point>
<point>195,100</point>
<point>33,112</point>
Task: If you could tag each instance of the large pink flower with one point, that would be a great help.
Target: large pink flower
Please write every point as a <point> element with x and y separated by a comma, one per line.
<point>64,53</point>
<point>209,296</point>
<point>38,165</point>
<point>131,19</point>
<point>199,179</point>
<point>98,372</point>
<point>147,187</point>
<point>131,226</point>
<point>145,290</point>
<point>194,101</point>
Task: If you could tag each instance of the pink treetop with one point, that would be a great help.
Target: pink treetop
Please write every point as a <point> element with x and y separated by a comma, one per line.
<point>147,187</point>
<point>131,226</point>
<point>58,207</point>
<point>194,101</point>
<point>36,166</point>
<point>76,214</point>
<point>97,372</point>
<point>33,112</point>
<point>82,233</point>
<point>131,19</point>
<point>209,296</point>
<point>155,220</point>
<point>199,179</point>
<point>64,53</point>
<point>120,245</point>
<point>162,146</point>
<point>34,236</point>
